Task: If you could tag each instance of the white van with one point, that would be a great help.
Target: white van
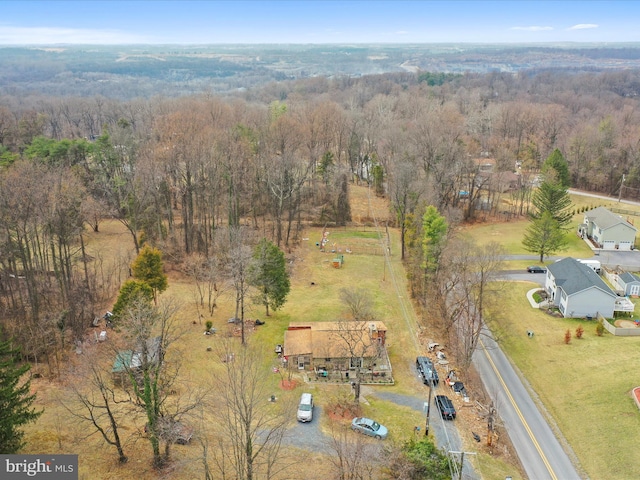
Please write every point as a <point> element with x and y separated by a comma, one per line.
<point>305,408</point>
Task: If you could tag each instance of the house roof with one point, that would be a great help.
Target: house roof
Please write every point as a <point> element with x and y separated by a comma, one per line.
<point>574,277</point>
<point>297,342</point>
<point>606,219</point>
<point>628,277</point>
<point>331,339</point>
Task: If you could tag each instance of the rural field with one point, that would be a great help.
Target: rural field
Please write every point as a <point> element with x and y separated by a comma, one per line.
<point>583,387</point>
<point>314,296</point>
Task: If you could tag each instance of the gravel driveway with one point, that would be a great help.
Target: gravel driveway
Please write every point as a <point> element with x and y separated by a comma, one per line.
<point>308,435</point>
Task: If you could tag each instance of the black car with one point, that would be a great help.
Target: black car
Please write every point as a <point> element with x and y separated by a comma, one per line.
<point>446,408</point>
<point>427,370</point>
<point>536,269</point>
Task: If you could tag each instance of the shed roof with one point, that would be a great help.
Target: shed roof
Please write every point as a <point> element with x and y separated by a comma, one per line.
<point>573,276</point>
<point>628,277</point>
<point>129,359</point>
<point>606,219</point>
<point>122,361</point>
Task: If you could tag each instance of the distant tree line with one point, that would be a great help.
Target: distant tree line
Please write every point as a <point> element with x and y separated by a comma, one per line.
<point>182,174</point>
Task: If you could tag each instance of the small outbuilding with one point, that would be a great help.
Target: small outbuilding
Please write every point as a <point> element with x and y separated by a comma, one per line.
<point>629,283</point>
<point>132,361</point>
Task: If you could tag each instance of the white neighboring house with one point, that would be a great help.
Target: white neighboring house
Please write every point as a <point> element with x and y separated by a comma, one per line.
<point>578,291</point>
<point>608,230</point>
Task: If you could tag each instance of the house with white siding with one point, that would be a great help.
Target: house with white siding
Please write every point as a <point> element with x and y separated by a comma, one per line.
<point>607,230</point>
<point>578,291</point>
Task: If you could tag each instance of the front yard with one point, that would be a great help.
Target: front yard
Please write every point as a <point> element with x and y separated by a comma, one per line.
<point>585,386</point>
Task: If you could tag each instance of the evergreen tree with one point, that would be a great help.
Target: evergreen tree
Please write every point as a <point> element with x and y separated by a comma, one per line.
<point>434,230</point>
<point>131,292</point>
<point>269,275</point>
<point>147,267</point>
<point>15,400</point>
<point>553,198</point>
<point>544,236</point>
<point>557,169</point>
<point>326,166</point>
<point>416,460</point>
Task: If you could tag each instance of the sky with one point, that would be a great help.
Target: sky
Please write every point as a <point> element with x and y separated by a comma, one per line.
<point>24,22</point>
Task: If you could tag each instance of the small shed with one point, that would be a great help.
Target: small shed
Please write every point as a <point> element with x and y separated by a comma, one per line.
<point>338,261</point>
<point>132,361</point>
<point>629,283</point>
<point>120,365</point>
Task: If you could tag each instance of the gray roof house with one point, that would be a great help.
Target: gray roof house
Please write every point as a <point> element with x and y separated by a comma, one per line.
<point>578,291</point>
<point>629,283</point>
<point>608,230</point>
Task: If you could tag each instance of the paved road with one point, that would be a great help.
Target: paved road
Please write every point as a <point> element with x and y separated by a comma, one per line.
<point>603,197</point>
<point>610,258</point>
<point>540,452</point>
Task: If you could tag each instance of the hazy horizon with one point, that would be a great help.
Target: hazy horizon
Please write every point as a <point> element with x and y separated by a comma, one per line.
<point>252,22</point>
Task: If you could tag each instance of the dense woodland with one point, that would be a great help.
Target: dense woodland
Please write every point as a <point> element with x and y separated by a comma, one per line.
<point>184,174</point>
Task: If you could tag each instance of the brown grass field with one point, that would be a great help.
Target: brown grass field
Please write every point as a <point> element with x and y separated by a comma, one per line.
<point>57,432</point>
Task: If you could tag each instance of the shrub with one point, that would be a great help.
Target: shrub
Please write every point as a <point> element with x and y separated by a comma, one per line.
<point>599,329</point>
<point>208,324</point>
<point>579,331</point>
<point>567,336</point>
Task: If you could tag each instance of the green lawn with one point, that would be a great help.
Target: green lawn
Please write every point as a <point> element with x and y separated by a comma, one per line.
<point>585,385</point>
<point>509,235</point>
<point>321,302</point>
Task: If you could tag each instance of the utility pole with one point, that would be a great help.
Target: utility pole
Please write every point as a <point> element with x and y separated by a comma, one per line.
<point>426,427</point>
<point>462,454</point>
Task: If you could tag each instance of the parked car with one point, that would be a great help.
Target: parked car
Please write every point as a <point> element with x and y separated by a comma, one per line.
<point>445,405</point>
<point>369,427</point>
<point>305,408</point>
<point>427,370</point>
<point>536,269</point>
<point>279,348</point>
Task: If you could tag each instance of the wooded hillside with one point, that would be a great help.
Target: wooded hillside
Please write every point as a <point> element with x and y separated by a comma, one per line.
<point>181,173</point>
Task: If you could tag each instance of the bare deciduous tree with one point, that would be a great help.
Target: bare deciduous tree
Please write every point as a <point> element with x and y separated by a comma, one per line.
<point>240,259</point>
<point>252,426</point>
<point>359,302</point>
<point>150,331</point>
<point>354,338</point>
<point>95,401</point>
<point>354,458</point>
<point>467,287</point>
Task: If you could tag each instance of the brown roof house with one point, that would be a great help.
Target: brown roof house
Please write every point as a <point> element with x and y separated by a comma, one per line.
<point>339,350</point>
